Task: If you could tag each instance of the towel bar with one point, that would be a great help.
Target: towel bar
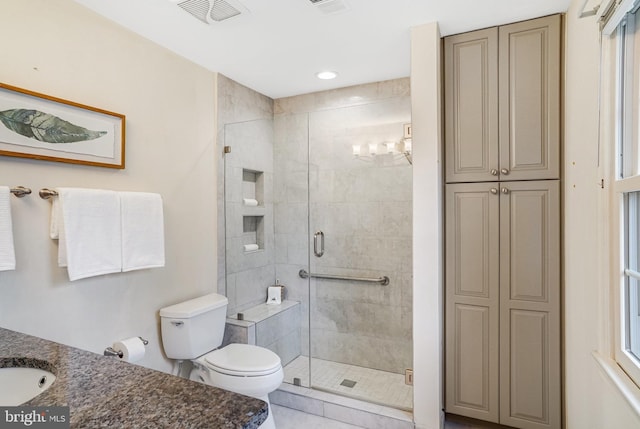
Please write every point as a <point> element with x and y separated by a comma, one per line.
<point>47,194</point>
<point>20,191</point>
<point>384,280</point>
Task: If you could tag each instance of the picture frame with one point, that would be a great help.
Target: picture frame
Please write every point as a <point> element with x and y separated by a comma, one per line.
<point>39,126</point>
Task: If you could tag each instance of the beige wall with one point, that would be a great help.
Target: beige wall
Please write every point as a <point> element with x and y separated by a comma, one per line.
<point>58,47</point>
<point>591,401</point>
<point>426,119</point>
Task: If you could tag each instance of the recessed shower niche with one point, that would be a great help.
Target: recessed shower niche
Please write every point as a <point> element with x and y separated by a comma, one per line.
<point>252,188</point>
<point>253,210</point>
<point>252,233</point>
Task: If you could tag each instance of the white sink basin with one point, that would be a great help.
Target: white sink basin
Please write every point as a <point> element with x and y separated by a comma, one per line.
<point>19,385</point>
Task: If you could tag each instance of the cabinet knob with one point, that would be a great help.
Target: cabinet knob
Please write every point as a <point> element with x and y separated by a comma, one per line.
<point>494,191</point>
<point>504,171</point>
<point>494,172</point>
<point>504,191</point>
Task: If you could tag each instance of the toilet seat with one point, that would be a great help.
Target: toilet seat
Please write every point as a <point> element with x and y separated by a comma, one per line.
<point>244,360</point>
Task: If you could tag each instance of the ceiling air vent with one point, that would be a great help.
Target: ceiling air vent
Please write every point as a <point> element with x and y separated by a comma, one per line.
<point>330,6</point>
<point>209,11</point>
<point>222,10</point>
<point>198,8</point>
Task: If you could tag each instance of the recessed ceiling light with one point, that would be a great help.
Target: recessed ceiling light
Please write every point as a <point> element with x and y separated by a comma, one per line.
<point>326,75</point>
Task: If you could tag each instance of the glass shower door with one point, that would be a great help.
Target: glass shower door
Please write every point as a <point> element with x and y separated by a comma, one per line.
<point>360,216</point>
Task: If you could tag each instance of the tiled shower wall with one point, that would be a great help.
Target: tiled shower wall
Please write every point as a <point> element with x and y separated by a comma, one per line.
<point>245,123</point>
<point>363,206</point>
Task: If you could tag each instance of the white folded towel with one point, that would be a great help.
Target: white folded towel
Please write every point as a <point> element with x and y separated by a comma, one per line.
<point>251,202</point>
<point>56,230</point>
<point>7,251</point>
<point>55,223</point>
<point>142,231</point>
<point>250,247</point>
<point>90,232</point>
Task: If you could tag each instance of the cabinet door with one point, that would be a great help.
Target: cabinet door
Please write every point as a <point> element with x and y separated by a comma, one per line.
<point>472,300</point>
<point>530,304</point>
<point>530,99</point>
<point>471,106</point>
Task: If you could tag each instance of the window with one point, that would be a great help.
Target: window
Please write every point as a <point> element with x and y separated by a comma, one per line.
<point>626,193</point>
<point>628,73</point>
<point>630,290</point>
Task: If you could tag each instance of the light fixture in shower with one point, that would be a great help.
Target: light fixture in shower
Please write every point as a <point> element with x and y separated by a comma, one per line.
<point>395,149</point>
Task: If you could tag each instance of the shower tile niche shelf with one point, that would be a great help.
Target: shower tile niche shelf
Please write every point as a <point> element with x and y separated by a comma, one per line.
<point>252,187</point>
<point>252,214</point>
<point>255,211</point>
<point>253,231</point>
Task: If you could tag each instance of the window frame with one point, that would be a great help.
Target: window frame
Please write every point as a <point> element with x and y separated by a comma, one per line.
<point>625,179</point>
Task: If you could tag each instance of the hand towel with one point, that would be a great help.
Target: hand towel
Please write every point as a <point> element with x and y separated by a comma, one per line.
<point>90,233</point>
<point>55,220</point>
<point>56,230</point>
<point>7,251</point>
<point>142,230</point>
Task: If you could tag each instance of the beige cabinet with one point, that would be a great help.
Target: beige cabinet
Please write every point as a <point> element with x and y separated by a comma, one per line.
<point>472,300</point>
<point>502,108</point>
<point>502,326</point>
<point>502,225</point>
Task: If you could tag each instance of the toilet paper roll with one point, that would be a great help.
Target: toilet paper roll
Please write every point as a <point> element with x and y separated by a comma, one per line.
<point>250,202</point>
<point>250,247</point>
<point>132,349</point>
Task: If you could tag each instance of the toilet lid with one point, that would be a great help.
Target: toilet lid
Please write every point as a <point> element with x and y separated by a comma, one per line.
<point>243,359</point>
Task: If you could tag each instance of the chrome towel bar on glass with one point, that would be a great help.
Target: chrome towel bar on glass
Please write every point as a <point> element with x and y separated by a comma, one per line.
<point>20,191</point>
<point>384,280</point>
<point>46,194</point>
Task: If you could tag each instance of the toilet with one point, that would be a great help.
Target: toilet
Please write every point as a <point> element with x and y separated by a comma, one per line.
<point>193,330</point>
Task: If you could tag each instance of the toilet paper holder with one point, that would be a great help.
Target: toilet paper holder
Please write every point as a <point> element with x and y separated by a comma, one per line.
<point>109,351</point>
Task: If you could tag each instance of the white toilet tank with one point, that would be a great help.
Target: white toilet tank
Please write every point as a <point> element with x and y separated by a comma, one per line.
<point>193,328</point>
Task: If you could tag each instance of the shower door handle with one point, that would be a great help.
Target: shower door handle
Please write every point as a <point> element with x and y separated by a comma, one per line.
<point>318,237</point>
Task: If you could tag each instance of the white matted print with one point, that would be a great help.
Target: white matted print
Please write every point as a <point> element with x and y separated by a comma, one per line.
<point>39,126</point>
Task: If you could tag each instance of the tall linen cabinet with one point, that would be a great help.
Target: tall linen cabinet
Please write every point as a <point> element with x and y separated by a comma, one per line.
<point>502,224</point>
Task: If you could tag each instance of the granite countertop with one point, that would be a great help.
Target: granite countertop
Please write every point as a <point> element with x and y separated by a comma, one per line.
<point>103,391</point>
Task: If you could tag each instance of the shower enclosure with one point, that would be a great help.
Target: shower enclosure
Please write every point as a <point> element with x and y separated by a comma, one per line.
<point>319,200</point>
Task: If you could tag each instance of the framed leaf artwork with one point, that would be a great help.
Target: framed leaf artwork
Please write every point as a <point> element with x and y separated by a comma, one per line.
<point>39,126</point>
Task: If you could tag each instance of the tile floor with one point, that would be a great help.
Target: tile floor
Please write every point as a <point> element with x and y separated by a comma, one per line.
<point>287,418</point>
<point>373,386</point>
<point>370,385</point>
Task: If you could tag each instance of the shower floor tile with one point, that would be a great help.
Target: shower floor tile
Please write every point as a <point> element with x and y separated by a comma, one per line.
<point>380,387</point>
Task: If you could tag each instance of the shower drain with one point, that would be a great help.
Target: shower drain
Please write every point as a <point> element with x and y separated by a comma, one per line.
<point>348,383</point>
